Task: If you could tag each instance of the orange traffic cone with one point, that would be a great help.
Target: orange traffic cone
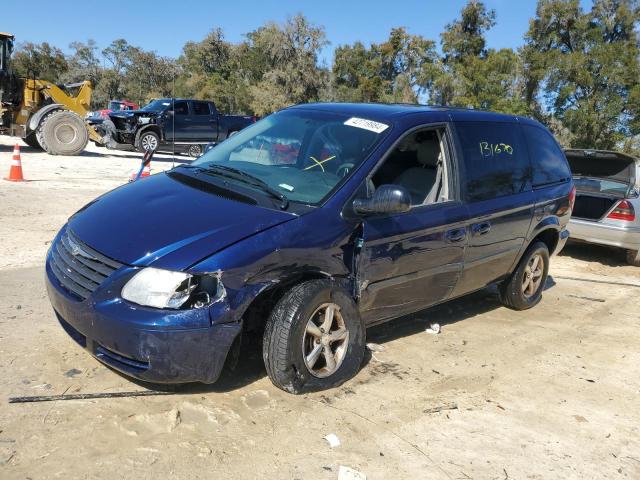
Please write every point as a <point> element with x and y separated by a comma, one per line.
<point>146,171</point>
<point>146,167</point>
<point>15,173</point>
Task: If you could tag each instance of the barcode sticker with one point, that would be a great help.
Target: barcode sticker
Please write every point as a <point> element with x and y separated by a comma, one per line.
<point>370,125</point>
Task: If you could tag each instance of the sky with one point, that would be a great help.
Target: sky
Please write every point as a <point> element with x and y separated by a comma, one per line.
<point>165,26</point>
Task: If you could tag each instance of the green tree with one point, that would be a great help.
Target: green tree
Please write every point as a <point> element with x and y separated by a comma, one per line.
<point>473,76</point>
<point>41,61</point>
<point>213,70</point>
<point>117,55</point>
<point>84,64</point>
<point>148,76</point>
<point>397,70</point>
<point>289,55</point>
<point>583,67</point>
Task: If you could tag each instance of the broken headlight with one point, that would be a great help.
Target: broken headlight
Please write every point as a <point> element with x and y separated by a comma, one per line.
<point>153,287</point>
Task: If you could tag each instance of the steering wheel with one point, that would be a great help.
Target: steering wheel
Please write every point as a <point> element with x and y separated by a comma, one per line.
<point>346,167</point>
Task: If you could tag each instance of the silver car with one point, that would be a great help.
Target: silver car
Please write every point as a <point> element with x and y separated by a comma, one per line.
<point>607,205</point>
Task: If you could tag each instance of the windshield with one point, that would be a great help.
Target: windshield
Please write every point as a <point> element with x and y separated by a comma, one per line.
<point>157,106</point>
<point>301,154</point>
<point>115,106</point>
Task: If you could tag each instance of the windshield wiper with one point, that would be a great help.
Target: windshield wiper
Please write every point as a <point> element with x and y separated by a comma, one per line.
<point>245,177</point>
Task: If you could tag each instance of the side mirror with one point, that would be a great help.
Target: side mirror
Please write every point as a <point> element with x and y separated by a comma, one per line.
<point>386,199</point>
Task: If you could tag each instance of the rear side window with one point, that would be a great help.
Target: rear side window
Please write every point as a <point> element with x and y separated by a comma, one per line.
<point>547,160</point>
<point>496,160</point>
<point>201,108</point>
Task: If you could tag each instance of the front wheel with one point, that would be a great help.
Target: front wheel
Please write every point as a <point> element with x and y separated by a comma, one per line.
<point>149,141</point>
<point>523,289</point>
<point>314,338</point>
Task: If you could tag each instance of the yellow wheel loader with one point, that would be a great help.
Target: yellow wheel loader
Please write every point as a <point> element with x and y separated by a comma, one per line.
<point>43,114</point>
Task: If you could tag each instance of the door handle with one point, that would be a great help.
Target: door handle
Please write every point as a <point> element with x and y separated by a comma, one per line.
<point>481,228</point>
<point>456,235</point>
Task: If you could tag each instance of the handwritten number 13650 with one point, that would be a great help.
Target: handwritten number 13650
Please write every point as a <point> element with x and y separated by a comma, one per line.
<point>492,149</point>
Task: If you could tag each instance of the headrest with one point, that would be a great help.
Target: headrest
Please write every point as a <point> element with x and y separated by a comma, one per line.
<point>428,152</point>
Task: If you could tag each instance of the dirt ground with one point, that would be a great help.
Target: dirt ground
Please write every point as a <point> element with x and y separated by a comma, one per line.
<point>553,392</point>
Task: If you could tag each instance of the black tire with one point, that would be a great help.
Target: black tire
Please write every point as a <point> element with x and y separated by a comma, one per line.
<point>633,258</point>
<point>62,132</point>
<point>194,151</point>
<point>512,291</point>
<point>147,141</point>
<point>32,141</point>
<point>286,331</point>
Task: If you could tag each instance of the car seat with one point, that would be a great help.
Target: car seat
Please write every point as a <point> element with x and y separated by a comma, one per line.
<point>419,180</point>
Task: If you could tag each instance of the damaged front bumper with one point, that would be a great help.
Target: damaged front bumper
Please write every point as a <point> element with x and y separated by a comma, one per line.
<point>153,345</point>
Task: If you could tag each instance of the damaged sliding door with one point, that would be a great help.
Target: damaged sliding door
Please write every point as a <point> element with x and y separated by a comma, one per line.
<point>412,260</point>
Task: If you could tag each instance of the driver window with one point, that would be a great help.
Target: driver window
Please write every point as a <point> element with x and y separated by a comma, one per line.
<point>419,164</point>
<point>181,108</point>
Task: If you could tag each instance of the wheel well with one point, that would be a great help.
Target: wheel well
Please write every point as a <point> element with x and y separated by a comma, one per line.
<point>550,237</point>
<point>36,118</point>
<point>144,130</point>
<point>256,315</point>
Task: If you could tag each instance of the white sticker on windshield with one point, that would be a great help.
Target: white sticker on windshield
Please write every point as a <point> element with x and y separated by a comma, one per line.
<point>286,186</point>
<point>370,125</point>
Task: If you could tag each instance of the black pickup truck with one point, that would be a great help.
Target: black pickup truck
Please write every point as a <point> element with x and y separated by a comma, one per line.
<point>171,124</point>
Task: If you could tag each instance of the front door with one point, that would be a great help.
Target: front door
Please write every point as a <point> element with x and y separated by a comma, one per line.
<point>412,260</point>
<point>179,127</point>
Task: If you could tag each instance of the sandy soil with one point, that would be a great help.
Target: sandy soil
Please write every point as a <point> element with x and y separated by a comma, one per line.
<point>553,392</point>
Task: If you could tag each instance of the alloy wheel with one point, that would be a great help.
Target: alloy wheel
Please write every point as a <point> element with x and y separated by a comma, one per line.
<point>325,341</point>
<point>149,142</point>
<point>195,151</point>
<point>532,278</point>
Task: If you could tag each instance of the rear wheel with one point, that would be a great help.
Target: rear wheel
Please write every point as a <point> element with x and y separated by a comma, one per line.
<point>314,338</point>
<point>32,141</point>
<point>523,289</point>
<point>195,151</point>
<point>633,257</point>
<point>62,132</point>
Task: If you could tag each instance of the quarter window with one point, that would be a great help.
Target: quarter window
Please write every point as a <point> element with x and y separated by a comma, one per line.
<point>548,161</point>
<point>496,161</point>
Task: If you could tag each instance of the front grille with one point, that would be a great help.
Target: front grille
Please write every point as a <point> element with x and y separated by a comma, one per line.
<point>78,267</point>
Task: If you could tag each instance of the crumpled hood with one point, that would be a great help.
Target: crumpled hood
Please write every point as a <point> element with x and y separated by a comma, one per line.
<point>163,222</point>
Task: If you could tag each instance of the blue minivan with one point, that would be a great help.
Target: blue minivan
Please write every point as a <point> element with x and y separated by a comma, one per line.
<point>308,227</point>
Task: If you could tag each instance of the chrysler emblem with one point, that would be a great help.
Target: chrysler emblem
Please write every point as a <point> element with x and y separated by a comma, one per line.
<point>78,250</point>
